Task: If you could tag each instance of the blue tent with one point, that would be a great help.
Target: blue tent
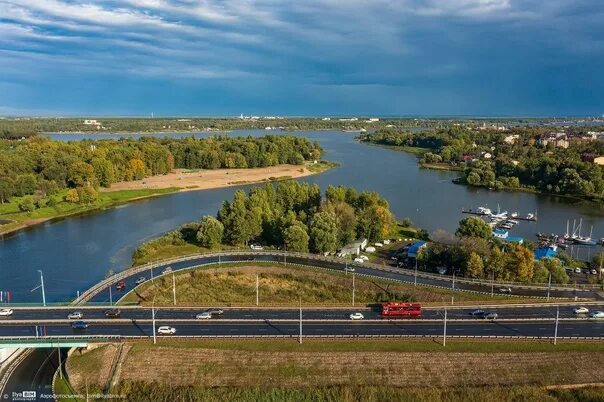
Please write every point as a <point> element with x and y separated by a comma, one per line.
<point>544,252</point>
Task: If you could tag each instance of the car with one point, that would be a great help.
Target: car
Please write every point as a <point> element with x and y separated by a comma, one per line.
<point>206,315</point>
<point>167,270</point>
<point>166,330</point>
<point>505,290</point>
<point>577,270</point>
<point>6,312</point>
<point>356,316</point>
<point>76,315</point>
<point>491,316</point>
<point>140,280</point>
<point>477,313</point>
<point>364,257</point>
<point>256,247</point>
<point>216,311</point>
<point>442,270</point>
<point>349,269</point>
<point>594,272</point>
<point>121,285</point>
<point>112,313</point>
<point>597,314</point>
<point>79,325</point>
<point>581,310</point>
<point>359,260</point>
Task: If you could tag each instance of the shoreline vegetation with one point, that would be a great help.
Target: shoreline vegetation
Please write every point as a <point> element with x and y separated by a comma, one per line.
<point>42,179</point>
<point>529,159</point>
<point>126,192</point>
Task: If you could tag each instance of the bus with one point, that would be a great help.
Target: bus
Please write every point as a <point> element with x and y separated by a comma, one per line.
<point>401,309</point>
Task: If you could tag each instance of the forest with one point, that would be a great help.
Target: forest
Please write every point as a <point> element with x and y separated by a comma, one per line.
<point>293,215</point>
<point>38,167</point>
<point>513,159</point>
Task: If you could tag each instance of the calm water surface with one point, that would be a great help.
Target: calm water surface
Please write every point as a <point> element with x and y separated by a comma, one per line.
<point>77,252</point>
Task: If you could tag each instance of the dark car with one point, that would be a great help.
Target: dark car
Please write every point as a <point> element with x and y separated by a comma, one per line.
<point>478,313</point>
<point>216,311</point>
<point>113,313</point>
<point>79,325</point>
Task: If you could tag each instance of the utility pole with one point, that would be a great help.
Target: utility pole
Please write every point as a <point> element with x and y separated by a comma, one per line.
<point>346,268</point>
<point>153,319</point>
<point>353,288</point>
<point>300,340</point>
<point>41,285</point>
<point>549,284</point>
<point>257,283</point>
<point>174,287</point>
<point>492,283</point>
<point>151,269</point>
<point>445,329</point>
<point>60,363</point>
<point>415,279</point>
<point>219,261</point>
<point>110,295</point>
<point>285,255</point>
<point>453,288</point>
<point>556,327</point>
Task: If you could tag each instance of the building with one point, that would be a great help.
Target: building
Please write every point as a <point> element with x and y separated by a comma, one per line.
<point>559,140</point>
<point>500,234</point>
<point>511,139</point>
<point>416,248</point>
<point>353,248</point>
<point>545,252</point>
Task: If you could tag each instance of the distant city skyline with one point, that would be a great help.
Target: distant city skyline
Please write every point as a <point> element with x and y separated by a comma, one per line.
<point>407,58</point>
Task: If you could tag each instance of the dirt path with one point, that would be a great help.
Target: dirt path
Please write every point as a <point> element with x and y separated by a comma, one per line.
<point>202,179</point>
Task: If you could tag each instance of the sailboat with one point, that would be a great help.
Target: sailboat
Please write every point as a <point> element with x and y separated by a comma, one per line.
<point>586,241</point>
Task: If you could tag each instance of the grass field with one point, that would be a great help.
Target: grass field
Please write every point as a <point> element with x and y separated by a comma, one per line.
<point>250,370</point>
<point>279,285</point>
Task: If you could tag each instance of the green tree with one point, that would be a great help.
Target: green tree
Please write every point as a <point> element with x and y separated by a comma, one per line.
<point>296,238</point>
<point>104,171</point>
<point>554,266</point>
<point>210,232</point>
<point>475,266</point>
<point>72,196</point>
<point>26,204</point>
<point>522,263</point>
<point>324,232</point>
<point>474,227</point>
<point>81,174</point>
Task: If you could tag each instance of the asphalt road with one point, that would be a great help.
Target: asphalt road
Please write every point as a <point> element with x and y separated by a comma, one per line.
<point>583,328</point>
<point>396,274</point>
<point>43,315</point>
<point>35,373</point>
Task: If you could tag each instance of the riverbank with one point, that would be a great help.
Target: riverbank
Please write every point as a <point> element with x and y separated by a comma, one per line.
<point>204,179</point>
<point>121,193</point>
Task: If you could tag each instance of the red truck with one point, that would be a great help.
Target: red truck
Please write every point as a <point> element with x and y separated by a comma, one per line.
<point>401,309</point>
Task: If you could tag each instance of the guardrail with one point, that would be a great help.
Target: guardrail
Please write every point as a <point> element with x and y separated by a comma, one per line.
<point>97,288</point>
<point>12,367</point>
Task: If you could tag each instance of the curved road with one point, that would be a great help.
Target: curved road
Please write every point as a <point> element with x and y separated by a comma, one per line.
<point>102,295</point>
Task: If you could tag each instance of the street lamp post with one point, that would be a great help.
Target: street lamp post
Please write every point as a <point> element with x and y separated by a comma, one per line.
<point>43,290</point>
<point>174,287</point>
<point>445,329</point>
<point>549,284</point>
<point>453,288</point>
<point>110,295</point>
<point>257,283</point>
<point>415,276</point>
<point>153,320</point>
<point>353,288</point>
<point>300,338</point>
<point>556,327</point>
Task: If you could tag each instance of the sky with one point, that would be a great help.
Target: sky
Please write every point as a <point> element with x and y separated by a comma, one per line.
<point>302,57</point>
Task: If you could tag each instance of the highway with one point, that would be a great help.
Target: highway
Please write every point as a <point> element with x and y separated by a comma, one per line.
<point>42,315</point>
<point>479,328</point>
<point>130,277</point>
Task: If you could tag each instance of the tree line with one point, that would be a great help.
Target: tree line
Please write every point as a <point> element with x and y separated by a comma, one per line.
<point>292,215</point>
<point>488,160</point>
<point>40,167</point>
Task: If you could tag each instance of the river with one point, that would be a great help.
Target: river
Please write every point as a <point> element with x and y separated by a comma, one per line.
<point>77,252</point>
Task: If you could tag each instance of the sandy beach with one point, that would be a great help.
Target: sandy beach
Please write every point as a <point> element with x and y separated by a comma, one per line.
<point>201,179</point>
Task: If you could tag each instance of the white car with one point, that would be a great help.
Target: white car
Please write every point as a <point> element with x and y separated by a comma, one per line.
<point>256,247</point>
<point>378,244</point>
<point>206,315</point>
<point>6,312</point>
<point>364,257</point>
<point>597,314</point>
<point>349,269</point>
<point>356,316</point>
<point>167,270</point>
<point>166,330</point>
<point>581,310</point>
<point>505,290</point>
<point>140,280</point>
<point>76,315</point>
<point>359,260</point>
<point>577,270</point>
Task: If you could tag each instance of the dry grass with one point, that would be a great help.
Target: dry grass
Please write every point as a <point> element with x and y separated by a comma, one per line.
<point>280,285</point>
<point>92,367</point>
<point>239,368</point>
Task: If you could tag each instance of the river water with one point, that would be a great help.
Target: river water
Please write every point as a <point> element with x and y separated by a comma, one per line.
<point>77,252</point>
